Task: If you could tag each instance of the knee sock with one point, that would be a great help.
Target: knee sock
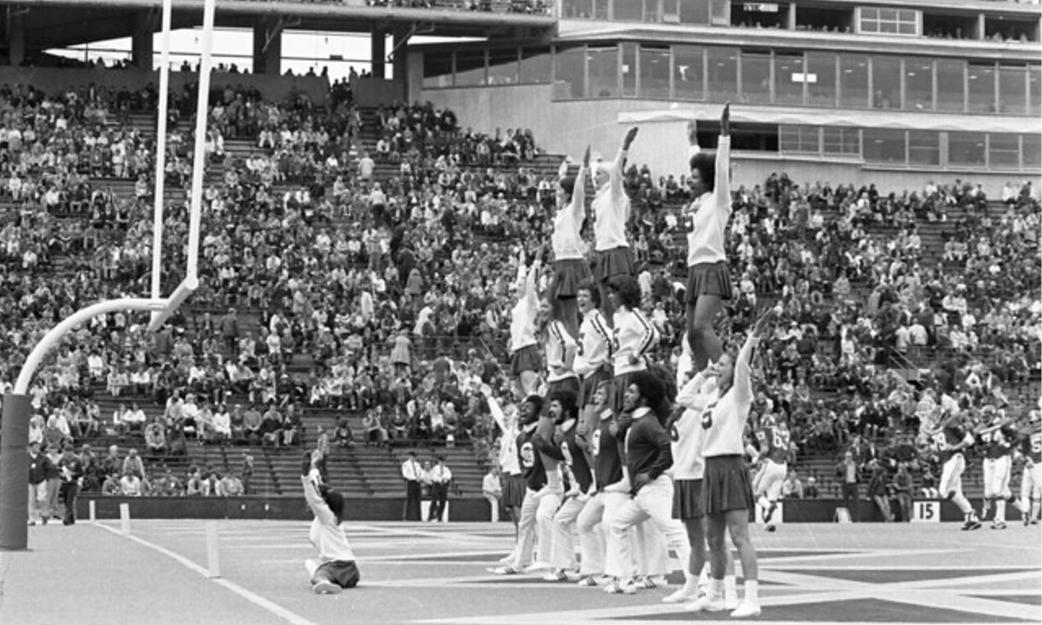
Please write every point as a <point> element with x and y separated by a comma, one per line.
<point>731,588</point>
<point>1000,510</point>
<point>752,588</point>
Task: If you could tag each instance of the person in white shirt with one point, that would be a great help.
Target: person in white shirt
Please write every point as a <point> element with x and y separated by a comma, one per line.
<point>727,494</point>
<point>569,268</point>
<point>413,475</point>
<point>611,210</point>
<point>524,350</point>
<point>335,567</point>
<point>492,490</point>
<point>594,349</point>
<point>440,477</point>
<point>708,281</point>
<point>514,480</point>
<point>634,336</point>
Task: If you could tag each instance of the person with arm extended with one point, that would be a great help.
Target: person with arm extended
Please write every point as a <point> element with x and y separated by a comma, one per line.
<point>569,268</point>
<point>727,494</point>
<point>611,211</point>
<point>335,567</point>
<point>524,350</point>
<point>708,281</point>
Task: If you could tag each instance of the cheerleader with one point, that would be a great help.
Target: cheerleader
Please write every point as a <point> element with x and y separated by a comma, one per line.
<point>594,350</point>
<point>560,350</point>
<point>513,479</point>
<point>611,210</point>
<point>524,350</point>
<point>335,568</point>
<point>634,336</point>
<point>580,479</point>
<point>569,268</point>
<point>727,494</point>
<point>708,283</point>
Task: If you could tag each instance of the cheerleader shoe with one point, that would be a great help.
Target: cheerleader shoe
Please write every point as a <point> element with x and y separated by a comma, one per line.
<point>587,581</point>
<point>652,581</point>
<point>687,592</point>
<point>555,576</point>
<point>746,609</point>
<point>326,587</point>
<point>621,588</point>
<point>998,525</point>
<point>707,603</point>
<point>504,570</point>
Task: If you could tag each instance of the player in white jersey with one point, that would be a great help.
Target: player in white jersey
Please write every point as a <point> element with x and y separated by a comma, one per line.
<point>773,454</point>
<point>727,494</point>
<point>524,350</point>
<point>998,439</point>
<point>708,281</point>
<point>633,335</point>
<point>569,269</point>
<point>1031,477</point>
<point>611,212</point>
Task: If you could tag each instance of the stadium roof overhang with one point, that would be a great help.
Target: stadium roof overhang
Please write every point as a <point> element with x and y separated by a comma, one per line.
<point>58,23</point>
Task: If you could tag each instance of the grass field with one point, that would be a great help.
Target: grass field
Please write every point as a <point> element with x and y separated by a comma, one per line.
<point>421,573</point>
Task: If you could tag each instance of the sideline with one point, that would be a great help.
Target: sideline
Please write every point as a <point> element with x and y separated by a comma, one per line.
<point>252,597</point>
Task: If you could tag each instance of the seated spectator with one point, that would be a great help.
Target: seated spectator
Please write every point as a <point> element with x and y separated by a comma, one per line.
<point>810,491</point>
<point>229,486</point>
<point>155,437</point>
<point>130,485</point>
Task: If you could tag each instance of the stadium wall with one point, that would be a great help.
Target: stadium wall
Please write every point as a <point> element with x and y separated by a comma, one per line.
<point>51,80</point>
<point>390,509</point>
<point>567,127</point>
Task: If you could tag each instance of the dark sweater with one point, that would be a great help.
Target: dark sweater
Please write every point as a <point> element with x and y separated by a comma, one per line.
<point>576,459</point>
<point>607,464</point>
<point>531,461</point>
<point>647,447</point>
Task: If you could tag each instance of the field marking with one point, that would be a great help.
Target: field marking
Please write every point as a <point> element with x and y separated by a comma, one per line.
<point>248,595</point>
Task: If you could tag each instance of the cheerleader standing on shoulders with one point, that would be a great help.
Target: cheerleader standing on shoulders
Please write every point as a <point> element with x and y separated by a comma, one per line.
<point>524,350</point>
<point>727,494</point>
<point>708,283</point>
<point>569,268</point>
<point>611,210</point>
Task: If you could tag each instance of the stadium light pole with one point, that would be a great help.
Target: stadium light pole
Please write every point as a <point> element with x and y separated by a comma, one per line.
<point>17,405</point>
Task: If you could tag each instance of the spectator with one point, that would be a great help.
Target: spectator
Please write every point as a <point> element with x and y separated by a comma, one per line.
<point>847,471</point>
<point>492,490</point>
<point>440,477</point>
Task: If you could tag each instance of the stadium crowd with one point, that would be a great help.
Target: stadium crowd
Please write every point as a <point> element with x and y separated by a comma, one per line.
<point>365,265</point>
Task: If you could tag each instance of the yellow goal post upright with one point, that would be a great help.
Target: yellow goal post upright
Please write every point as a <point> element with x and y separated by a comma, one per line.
<point>17,406</point>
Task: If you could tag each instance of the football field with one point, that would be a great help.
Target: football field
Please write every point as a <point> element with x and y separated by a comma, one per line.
<point>423,573</point>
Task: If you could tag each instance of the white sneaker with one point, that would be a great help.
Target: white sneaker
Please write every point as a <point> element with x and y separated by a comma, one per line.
<point>687,592</point>
<point>587,581</point>
<point>504,570</point>
<point>730,601</point>
<point>998,525</point>
<point>620,588</point>
<point>746,609</point>
<point>326,587</point>
<point>555,576</point>
<point>706,603</point>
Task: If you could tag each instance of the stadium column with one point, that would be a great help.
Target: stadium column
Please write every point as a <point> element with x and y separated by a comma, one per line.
<point>141,43</point>
<point>401,63</point>
<point>378,52</point>
<point>790,18</point>
<point>14,472</point>
<point>267,46</point>
<point>16,32</point>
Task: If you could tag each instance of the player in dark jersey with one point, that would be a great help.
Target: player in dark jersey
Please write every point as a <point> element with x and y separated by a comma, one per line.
<point>949,441</point>
<point>1031,479</point>
<point>998,439</point>
<point>530,459</point>
<point>773,452</point>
